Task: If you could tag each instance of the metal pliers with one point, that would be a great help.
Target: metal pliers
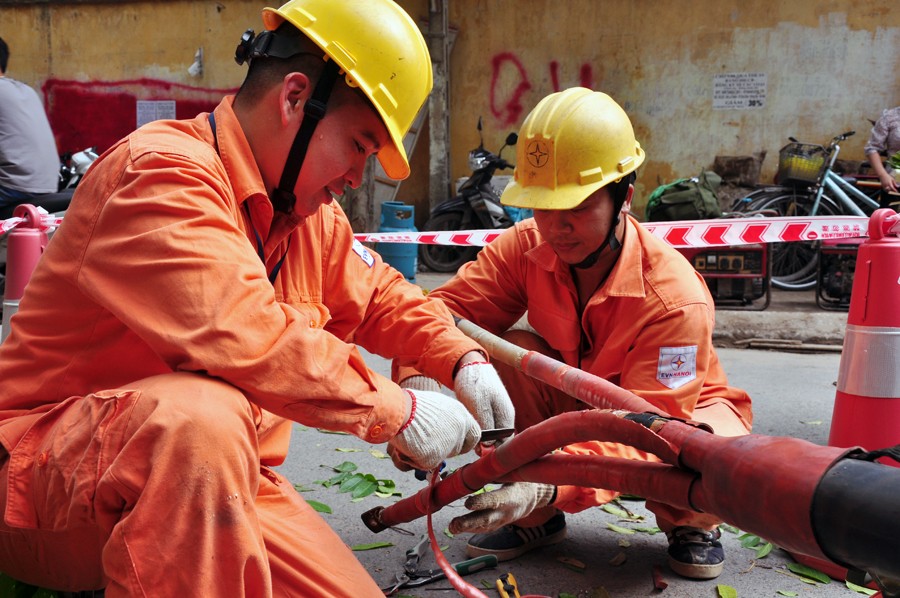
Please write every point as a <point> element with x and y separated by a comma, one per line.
<point>412,576</point>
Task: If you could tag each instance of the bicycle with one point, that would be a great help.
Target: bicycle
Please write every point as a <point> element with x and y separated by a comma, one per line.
<point>808,186</point>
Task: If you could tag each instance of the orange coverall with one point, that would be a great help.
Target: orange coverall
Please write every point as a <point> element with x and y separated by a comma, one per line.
<point>152,371</point>
<point>652,309</point>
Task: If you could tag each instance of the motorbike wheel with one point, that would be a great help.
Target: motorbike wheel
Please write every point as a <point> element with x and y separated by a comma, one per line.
<point>794,265</point>
<point>445,258</point>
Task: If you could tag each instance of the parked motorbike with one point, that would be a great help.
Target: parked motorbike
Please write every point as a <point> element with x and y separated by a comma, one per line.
<point>476,206</point>
<point>73,166</point>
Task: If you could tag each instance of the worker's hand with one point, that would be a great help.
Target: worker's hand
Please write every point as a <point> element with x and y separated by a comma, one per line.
<point>478,387</point>
<point>438,428</point>
<point>503,506</point>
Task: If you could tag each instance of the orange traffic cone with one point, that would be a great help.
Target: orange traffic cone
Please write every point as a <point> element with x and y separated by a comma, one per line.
<point>867,403</point>
<point>24,247</point>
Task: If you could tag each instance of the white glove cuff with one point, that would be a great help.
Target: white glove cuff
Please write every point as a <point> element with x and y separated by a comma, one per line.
<point>421,383</point>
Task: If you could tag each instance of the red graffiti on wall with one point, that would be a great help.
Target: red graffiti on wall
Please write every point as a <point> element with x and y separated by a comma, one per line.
<point>99,113</point>
<point>585,76</point>
<point>506,96</point>
<point>510,110</point>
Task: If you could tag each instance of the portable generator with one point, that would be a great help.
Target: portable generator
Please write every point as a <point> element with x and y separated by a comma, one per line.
<point>837,262</point>
<point>738,276</point>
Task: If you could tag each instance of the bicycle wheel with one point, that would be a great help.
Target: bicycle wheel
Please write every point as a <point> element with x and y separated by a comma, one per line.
<point>445,258</point>
<point>795,264</point>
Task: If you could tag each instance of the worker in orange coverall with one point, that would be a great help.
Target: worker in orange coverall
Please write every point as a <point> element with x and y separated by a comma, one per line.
<point>202,293</point>
<point>603,295</point>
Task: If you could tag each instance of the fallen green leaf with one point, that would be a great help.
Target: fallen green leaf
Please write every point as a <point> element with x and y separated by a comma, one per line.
<point>809,572</point>
<point>786,593</point>
<point>567,595</point>
<point>749,540</point>
<point>647,529</point>
<point>615,510</point>
<point>619,559</point>
<point>319,506</point>
<point>448,533</point>
<point>815,422</point>
<point>324,431</point>
<point>599,593</point>
<point>348,450</point>
<point>351,482</point>
<point>573,564</point>
<point>487,584</point>
<point>861,589</point>
<point>366,487</point>
<point>763,550</point>
<point>726,591</point>
<point>372,546</point>
<point>619,529</point>
<point>377,454</point>
<point>729,528</point>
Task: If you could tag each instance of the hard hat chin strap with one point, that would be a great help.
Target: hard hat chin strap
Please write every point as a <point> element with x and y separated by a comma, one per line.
<point>283,198</point>
<point>611,239</point>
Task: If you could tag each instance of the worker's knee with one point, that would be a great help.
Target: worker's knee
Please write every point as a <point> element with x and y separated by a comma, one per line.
<point>193,408</point>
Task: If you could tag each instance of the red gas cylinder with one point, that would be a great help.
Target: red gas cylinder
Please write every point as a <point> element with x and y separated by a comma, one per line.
<point>24,247</point>
<point>867,403</point>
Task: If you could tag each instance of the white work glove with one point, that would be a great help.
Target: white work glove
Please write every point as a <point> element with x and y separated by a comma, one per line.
<point>478,387</point>
<point>421,383</point>
<point>438,428</point>
<point>507,504</point>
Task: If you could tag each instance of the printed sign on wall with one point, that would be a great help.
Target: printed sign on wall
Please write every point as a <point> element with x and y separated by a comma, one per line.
<point>739,91</point>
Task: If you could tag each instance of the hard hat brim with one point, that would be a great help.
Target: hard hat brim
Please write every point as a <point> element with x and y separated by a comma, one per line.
<point>541,198</point>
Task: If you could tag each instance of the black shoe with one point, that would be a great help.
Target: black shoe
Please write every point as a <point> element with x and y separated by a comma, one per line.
<point>511,541</point>
<point>696,553</point>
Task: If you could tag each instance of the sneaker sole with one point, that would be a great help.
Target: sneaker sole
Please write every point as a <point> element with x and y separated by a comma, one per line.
<point>511,553</point>
<point>694,571</point>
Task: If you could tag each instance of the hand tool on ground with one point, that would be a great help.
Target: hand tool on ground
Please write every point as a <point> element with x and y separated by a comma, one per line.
<point>507,586</point>
<point>412,576</point>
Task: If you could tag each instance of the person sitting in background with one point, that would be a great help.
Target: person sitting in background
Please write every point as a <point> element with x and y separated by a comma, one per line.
<point>29,162</point>
<point>603,295</point>
<point>884,141</point>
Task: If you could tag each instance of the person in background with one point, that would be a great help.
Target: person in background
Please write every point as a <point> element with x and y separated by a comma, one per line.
<point>202,294</point>
<point>603,295</point>
<point>29,161</point>
<point>884,140</point>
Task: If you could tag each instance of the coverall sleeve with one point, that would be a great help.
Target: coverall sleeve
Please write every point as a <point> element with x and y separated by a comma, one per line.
<point>168,258</point>
<point>374,306</point>
<point>686,330</point>
<point>489,292</point>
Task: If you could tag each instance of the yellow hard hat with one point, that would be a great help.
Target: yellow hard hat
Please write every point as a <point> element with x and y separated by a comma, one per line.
<point>573,143</point>
<point>381,50</point>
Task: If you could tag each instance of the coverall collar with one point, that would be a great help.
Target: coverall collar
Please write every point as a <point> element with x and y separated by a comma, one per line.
<point>626,278</point>
<point>240,164</point>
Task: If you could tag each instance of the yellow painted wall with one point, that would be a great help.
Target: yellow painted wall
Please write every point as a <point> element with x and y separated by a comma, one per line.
<point>829,65</point>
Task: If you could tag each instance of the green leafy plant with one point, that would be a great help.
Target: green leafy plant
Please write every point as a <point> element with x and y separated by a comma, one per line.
<point>359,485</point>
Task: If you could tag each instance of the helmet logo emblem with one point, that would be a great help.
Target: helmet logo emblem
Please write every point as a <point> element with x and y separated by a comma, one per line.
<point>537,154</point>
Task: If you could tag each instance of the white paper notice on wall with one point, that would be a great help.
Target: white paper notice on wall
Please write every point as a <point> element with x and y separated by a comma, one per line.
<point>739,91</point>
<point>150,110</point>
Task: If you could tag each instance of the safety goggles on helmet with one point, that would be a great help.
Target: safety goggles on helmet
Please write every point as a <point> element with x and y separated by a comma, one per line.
<point>573,143</point>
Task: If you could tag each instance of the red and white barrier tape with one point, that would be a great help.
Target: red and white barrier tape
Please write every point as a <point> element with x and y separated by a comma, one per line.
<point>47,222</point>
<point>685,233</point>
